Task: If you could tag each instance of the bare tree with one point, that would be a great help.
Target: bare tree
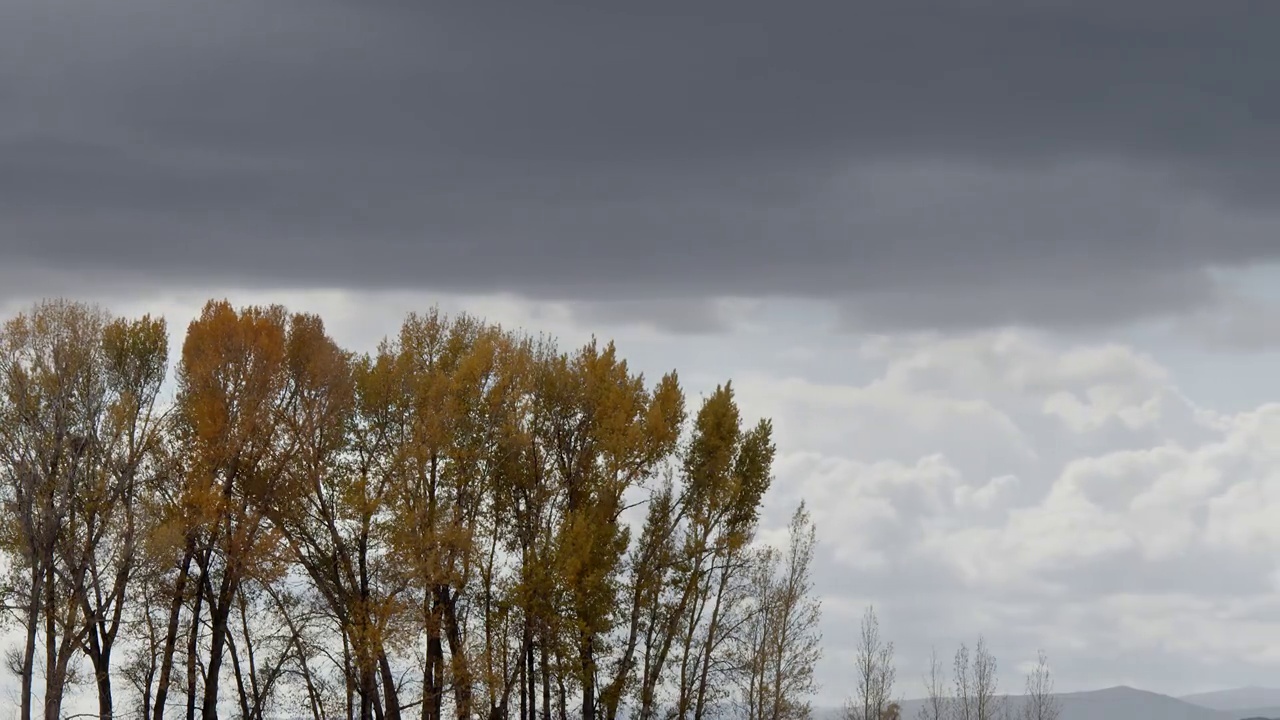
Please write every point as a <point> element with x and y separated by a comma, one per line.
<point>781,638</point>
<point>975,682</point>
<point>961,704</point>
<point>757,635</point>
<point>935,703</point>
<point>986,705</point>
<point>1041,703</point>
<point>799,641</point>
<point>876,673</point>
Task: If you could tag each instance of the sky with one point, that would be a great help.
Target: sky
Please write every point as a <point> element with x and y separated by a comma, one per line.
<point>1005,274</point>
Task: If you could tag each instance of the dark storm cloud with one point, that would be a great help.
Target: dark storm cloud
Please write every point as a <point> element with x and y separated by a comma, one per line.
<point>920,163</point>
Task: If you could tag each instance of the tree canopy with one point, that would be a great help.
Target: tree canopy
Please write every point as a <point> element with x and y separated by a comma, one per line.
<point>467,522</point>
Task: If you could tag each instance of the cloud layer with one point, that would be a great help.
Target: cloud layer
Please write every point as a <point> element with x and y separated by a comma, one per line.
<point>1049,163</point>
<point>1064,497</point>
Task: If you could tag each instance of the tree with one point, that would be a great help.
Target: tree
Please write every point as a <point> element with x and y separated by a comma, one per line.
<point>345,418</point>
<point>1041,703</point>
<point>76,429</point>
<point>656,606</point>
<point>111,508</point>
<point>962,703</point>
<point>329,508</point>
<point>607,434</point>
<point>975,682</point>
<point>875,672</point>
<point>726,472</point>
<point>233,384</point>
<point>986,706</point>
<point>782,641</point>
<point>443,521</point>
<point>758,639</point>
<point>465,382</point>
<point>935,701</point>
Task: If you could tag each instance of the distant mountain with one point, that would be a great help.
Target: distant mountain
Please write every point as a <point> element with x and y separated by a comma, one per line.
<point>1244,698</point>
<point>1266,713</point>
<point>1117,703</point>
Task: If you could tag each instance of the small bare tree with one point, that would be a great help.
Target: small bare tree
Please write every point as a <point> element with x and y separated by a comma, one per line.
<point>781,641</point>
<point>876,673</point>
<point>975,683</point>
<point>985,703</point>
<point>1041,703</point>
<point>961,704</point>
<point>935,703</point>
<point>799,611</point>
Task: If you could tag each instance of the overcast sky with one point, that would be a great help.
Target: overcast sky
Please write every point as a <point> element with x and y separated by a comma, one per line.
<point>1004,273</point>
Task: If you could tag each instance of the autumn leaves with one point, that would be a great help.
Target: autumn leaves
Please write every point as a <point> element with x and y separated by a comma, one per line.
<point>442,527</point>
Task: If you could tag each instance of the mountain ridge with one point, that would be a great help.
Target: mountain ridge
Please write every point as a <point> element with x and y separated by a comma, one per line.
<point>1235,699</point>
<point>1120,702</point>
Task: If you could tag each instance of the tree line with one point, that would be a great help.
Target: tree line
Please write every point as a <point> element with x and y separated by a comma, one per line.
<point>970,693</point>
<point>467,522</point>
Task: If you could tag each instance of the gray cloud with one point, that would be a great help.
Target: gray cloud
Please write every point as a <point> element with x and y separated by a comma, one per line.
<point>1239,323</point>
<point>922,164</point>
<point>1151,540</point>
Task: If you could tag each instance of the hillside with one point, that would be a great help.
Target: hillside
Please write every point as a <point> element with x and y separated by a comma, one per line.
<point>1118,703</point>
<point>1245,698</point>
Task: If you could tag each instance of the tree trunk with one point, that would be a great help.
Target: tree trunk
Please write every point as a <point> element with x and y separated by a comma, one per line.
<point>193,647</point>
<point>29,650</point>
<point>171,636</point>
<point>520,673</point>
<point>462,688</point>
<point>389,687</point>
<point>533,683</point>
<point>102,674</point>
<point>61,672</point>
<point>313,693</point>
<point>239,676</point>
<point>51,703</point>
<point>546,682</point>
<point>217,648</point>
<point>348,679</point>
<point>433,673</point>
<point>368,690</point>
<point>588,679</point>
<point>712,629</point>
